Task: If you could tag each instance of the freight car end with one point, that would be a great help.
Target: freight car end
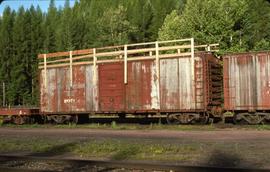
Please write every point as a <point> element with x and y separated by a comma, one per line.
<point>247,87</point>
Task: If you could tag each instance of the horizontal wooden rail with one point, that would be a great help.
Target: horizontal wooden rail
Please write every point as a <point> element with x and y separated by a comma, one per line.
<point>165,56</point>
<point>60,54</point>
<point>166,49</point>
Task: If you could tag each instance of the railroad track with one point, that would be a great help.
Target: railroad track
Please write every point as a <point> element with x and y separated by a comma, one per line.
<point>9,163</point>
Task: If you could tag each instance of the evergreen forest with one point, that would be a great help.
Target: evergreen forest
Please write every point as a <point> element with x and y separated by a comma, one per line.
<point>237,25</point>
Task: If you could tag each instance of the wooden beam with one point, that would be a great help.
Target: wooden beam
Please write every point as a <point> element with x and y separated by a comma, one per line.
<point>164,56</point>
<point>70,69</point>
<point>157,71</point>
<point>95,66</point>
<point>60,54</point>
<point>45,70</point>
<point>125,64</point>
<point>67,59</point>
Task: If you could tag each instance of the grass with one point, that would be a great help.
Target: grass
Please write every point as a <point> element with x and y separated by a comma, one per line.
<point>142,150</point>
<point>1,121</point>
<point>106,149</point>
<point>260,127</point>
<point>152,126</point>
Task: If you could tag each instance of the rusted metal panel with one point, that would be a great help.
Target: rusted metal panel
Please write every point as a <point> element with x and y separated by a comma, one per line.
<point>77,95</point>
<point>18,111</point>
<point>60,96</point>
<point>141,91</point>
<point>246,81</point>
<point>48,97</point>
<point>101,88</point>
<point>111,87</point>
<point>180,92</point>
<point>176,85</point>
<point>91,88</point>
<point>63,86</point>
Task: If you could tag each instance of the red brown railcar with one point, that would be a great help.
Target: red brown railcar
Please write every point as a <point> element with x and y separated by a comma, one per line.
<point>18,115</point>
<point>247,86</point>
<point>169,78</point>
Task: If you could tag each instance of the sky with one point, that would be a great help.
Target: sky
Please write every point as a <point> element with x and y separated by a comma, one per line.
<point>44,4</point>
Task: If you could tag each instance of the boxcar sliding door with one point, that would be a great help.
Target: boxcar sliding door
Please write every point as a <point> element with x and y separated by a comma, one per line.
<point>111,87</point>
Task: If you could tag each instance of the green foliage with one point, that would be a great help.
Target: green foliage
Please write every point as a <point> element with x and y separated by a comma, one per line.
<point>238,25</point>
<point>114,27</point>
<point>171,27</point>
<point>208,21</point>
<point>256,24</point>
<point>262,45</point>
<point>113,125</point>
<point>90,23</point>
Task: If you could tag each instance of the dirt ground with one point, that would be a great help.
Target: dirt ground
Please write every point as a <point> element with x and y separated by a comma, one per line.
<point>227,147</point>
<point>77,133</point>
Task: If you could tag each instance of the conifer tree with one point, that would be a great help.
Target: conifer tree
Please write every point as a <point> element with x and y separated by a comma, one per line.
<point>63,33</point>
<point>51,24</point>
<point>6,49</point>
<point>37,38</point>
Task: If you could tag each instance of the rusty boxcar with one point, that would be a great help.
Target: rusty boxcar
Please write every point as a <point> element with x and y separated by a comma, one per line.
<point>247,86</point>
<point>170,78</point>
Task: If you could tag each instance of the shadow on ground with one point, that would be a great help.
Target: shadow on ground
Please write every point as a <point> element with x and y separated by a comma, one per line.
<point>215,159</point>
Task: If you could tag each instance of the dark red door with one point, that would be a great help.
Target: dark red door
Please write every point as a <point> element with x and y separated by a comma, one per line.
<point>111,87</point>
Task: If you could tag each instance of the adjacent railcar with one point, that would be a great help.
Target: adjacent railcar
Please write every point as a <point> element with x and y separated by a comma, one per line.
<point>247,87</point>
<point>170,78</point>
<point>19,115</point>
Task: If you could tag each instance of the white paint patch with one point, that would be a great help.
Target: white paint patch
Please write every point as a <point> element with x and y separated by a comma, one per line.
<point>155,97</point>
<point>69,100</point>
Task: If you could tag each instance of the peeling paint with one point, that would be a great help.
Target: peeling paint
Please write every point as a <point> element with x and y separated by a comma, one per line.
<point>246,79</point>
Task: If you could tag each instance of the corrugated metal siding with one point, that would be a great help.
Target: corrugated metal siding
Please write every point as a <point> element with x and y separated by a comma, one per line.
<point>176,88</point>
<point>246,78</point>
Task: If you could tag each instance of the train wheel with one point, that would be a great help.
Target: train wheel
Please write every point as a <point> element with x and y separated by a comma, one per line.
<point>59,119</point>
<point>248,118</point>
<point>18,120</point>
<point>173,119</point>
<point>204,118</point>
<point>74,119</point>
<point>183,118</point>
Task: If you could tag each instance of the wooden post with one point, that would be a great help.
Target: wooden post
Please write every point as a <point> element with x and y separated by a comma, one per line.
<point>192,58</point>
<point>157,59</point>
<point>157,73</point>
<point>125,64</point>
<point>94,65</point>
<point>4,94</point>
<point>70,68</point>
<point>192,70</point>
<point>45,71</point>
<point>208,48</point>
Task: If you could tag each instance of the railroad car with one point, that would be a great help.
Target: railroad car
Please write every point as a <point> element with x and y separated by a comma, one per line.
<point>19,115</point>
<point>247,87</point>
<point>172,78</point>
